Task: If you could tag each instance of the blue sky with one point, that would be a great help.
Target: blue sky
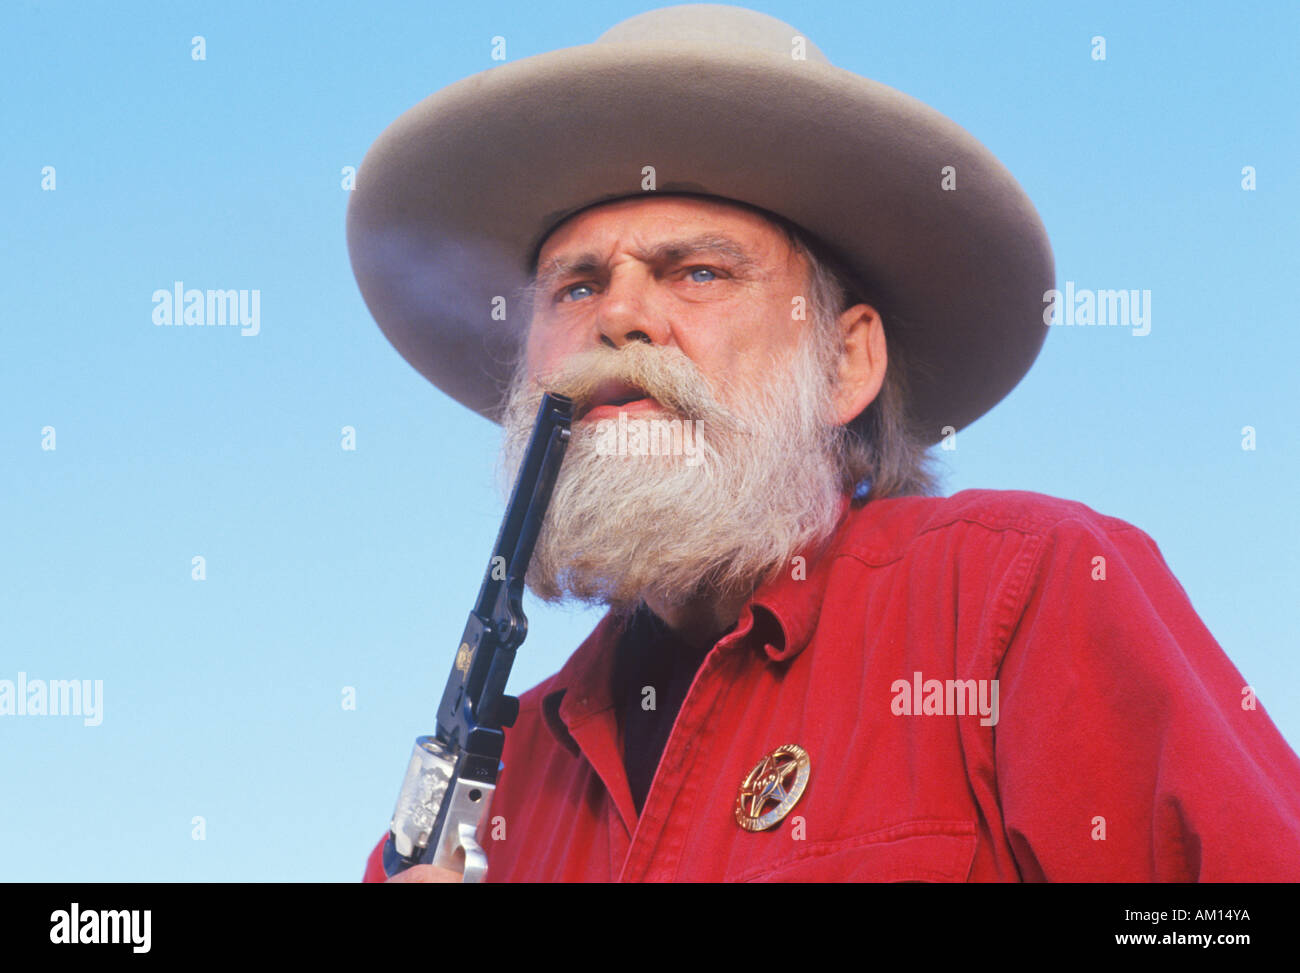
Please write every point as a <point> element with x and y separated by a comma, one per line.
<point>329,568</point>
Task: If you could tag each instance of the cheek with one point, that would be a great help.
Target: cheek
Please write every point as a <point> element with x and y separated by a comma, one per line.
<point>546,351</point>
<point>770,342</point>
<point>553,339</point>
<point>537,351</point>
<point>749,343</point>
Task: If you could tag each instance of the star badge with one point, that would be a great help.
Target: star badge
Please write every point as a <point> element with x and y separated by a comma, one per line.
<point>772,788</point>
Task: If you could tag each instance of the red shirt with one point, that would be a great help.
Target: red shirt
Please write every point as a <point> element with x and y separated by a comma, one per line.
<point>1125,745</point>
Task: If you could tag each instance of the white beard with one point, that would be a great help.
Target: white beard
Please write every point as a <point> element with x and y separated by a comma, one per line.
<point>763,485</point>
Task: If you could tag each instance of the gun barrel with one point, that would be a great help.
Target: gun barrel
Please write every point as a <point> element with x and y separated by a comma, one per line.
<point>451,775</point>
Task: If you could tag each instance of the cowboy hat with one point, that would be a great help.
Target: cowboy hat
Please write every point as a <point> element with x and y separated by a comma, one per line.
<point>455,197</point>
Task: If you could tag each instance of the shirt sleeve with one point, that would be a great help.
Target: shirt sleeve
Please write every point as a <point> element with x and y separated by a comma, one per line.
<point>1129,748</point>
<point>375,863</point>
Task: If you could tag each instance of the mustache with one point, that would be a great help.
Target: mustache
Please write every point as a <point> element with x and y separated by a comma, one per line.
<point>665,374</point>
<point>619,532</point>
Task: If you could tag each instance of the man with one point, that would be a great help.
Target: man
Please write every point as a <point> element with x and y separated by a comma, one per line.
<point>812,668</point>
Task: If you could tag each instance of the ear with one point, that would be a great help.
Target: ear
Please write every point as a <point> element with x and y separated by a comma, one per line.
<point>862,364</point>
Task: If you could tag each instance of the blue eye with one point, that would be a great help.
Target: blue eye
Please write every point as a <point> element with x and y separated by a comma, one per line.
<point>703,270</point>
<point>567,293</point>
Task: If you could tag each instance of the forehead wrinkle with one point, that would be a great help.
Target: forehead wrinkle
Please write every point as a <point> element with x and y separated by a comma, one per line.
<point>557,267</point>
<point>674,250</point>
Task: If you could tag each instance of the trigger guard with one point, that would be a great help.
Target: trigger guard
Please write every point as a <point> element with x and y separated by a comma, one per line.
<point>475,858</point>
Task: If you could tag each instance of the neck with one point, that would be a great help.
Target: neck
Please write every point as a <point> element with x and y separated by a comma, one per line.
<point>699,621</point>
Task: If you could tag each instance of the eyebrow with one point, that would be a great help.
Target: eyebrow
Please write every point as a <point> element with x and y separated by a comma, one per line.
<point>669,251</point>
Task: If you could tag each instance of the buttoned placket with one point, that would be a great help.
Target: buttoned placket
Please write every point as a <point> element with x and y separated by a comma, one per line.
<point>670,806</point>
<point>651,843</point>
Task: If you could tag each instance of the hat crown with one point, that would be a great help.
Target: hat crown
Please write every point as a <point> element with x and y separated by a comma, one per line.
<point>712,24</point>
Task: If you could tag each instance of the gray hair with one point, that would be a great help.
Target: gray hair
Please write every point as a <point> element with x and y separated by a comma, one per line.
<point>883,452</point>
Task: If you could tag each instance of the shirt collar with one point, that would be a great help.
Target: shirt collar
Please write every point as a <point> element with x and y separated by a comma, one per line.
<point>786,610</point>
<point>779,620</point>
<point>582,688</point>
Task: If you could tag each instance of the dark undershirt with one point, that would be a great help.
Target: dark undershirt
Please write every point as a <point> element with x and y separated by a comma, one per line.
<point>650,655</point>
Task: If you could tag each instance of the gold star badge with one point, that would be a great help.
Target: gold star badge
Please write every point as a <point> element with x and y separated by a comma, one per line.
<point>779,780</point>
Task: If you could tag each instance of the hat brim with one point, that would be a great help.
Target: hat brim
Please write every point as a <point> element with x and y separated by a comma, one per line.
<point>454,198</point>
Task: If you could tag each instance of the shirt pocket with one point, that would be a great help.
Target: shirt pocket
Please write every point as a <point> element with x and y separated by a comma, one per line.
<point>917,851</point>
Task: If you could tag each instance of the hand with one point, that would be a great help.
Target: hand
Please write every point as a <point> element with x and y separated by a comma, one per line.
<point>426,873</point>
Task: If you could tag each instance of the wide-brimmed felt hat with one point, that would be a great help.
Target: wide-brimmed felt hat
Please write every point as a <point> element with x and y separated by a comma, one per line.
<point>455,197</point>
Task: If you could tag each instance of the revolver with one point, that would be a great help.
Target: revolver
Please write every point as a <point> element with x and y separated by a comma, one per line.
<point>453,773</point>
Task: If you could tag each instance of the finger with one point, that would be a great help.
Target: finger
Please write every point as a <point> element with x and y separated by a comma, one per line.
<point>426,873</point>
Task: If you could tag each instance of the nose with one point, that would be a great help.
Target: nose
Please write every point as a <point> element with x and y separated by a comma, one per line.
<point>628,310</point>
